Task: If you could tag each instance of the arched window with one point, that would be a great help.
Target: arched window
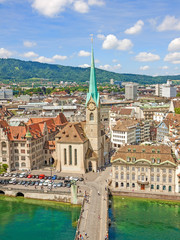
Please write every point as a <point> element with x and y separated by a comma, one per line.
<point>170,189</point>
<point>164,187</point>
<point>16,164</point>
<point>3,144</point>
<point>65,157</point>
<point>23,164</point>
<point>70,155</point>
<point>152,186</point>
<point>75,156</point>
<point>116,184</point>
<point>122,184</point>
<point>133,185</point>
<point>91,116</point>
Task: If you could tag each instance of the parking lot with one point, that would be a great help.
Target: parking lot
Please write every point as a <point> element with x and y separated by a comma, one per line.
<point>37,181</point>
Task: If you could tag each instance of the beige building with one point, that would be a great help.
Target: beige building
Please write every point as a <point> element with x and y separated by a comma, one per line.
<point>145,169</point>
<point>83,146</point>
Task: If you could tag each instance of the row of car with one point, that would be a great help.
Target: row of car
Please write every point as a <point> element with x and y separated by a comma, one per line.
<point>40,176</point>
<point>47,183</point>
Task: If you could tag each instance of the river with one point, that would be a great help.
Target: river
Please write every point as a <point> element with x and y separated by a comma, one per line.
<point>25,219</point>
<point>144,219</point>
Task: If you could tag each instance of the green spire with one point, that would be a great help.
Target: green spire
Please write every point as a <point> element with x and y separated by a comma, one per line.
<point>93,92</point>
<point>28,134</point>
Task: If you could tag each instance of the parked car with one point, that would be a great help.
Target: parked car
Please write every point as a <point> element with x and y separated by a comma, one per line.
<point>68,185</point>
<point>12,180</point>
<point>46,182</point>
<point>54,177</point>
<point>32,183</point>
<point>41,176</point>
<point>81,179</point>
<point>60,184</point>
<point>30,176</point>
<point>20,182</point>
<point>36,183</point>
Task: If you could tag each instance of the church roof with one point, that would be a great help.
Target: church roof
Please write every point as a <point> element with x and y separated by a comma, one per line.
<point>72,133</point>
<point>93,92</point>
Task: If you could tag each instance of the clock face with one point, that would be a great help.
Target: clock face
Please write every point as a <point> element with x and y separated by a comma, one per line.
<point>91,106</point>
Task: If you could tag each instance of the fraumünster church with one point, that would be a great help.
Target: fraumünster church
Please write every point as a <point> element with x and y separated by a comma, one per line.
<point>83,146</point>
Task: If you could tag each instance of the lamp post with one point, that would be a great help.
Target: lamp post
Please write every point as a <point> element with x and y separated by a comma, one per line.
<point>51,160</point>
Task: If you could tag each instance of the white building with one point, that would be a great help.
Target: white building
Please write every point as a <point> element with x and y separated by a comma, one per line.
<point>131,91</point>
<point>6,93</point>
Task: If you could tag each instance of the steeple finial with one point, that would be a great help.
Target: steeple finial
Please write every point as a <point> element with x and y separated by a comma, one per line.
<point>93,92</point>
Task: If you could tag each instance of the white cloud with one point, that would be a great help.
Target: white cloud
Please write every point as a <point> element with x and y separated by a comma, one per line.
<point>97,61</point>
<point>81,6</point>
<point>111,42</point>
<point>4,53</point>
<point>29,44</point>
<point>164,67</point>
<point>173,57</point>
<point>59,57</point>
<point>83,53</point>
<point>144,68</point>
<point>147,57</point>
<point>174,45</point>
<point>96,2</point>
<point>30,55</point>
<point>136,28</point>
<point>169,23</point>
<point>50,8</point>
<point>101,36</point>
<point>84,65</point>
<point>114,60</point>
<point>108,67</point>
<point>43,59</point>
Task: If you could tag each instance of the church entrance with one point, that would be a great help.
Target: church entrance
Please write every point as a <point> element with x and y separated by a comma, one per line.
<point>90,166</point>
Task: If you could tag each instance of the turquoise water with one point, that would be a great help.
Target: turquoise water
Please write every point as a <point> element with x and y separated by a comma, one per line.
<point>23,219</point>
<point>140,219</point>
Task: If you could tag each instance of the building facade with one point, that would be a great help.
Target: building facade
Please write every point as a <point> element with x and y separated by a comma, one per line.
<point>150,169</point>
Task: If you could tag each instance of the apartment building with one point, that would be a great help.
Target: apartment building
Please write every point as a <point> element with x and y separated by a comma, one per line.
<point>150,169</point>
<point>22,147</point>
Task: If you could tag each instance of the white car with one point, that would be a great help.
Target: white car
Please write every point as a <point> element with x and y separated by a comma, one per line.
<point>41,182</point>
<point>12,180</point>
<point>6,175</point>
<point>50,184</point>
<point>46,182</point>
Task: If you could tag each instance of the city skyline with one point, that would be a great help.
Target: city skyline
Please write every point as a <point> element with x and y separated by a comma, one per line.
<point>129,36</point>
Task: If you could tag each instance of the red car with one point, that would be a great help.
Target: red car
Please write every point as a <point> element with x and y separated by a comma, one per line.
<point>29,176</point>
<point>41,176</point>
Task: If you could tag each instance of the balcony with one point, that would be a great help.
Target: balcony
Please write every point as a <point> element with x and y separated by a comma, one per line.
<point>143,182</point>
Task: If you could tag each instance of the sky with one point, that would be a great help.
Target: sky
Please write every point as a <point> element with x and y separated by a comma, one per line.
<point>129,36</point>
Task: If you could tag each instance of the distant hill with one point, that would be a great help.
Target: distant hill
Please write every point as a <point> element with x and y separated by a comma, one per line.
<point>14,70</point>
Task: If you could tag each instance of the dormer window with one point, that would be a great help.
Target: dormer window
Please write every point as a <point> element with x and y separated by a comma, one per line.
<point>153,160</point>
<point>129,150</point>
<point>128,159</point>
<point>153,150</point>
<point>143,150</point>
<point>158,151</point>
<point>158,160</point>
<point>134,150</point>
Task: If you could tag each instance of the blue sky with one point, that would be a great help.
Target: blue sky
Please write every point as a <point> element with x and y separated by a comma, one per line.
<point>130,36</point>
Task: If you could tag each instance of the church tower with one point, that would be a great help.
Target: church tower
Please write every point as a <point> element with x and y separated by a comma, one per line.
<point>93,120</point>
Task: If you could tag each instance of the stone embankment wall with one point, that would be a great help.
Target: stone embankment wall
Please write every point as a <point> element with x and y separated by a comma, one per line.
<point>174,197</point>
<point>58,196</point>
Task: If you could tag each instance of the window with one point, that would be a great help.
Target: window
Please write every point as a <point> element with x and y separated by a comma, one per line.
<point>23,157</point>
<point>133,185</point>
<point>133,176</point>
<point>158,160</point>
<point>91,116</point>
<point>3,144</point>
<point>4,160</point>
<point>121,167</point>
<point>134,159</point>
<point>65,156</point>
<point>152,178</point>
<point>170,189</point>
<point>158,170</point>
<point>128,176</point>
<point>164,178</point>
<point>158,151</point>
<point>142,177</point>
<point>23,164</point>
<point>16,144</point>
<point>128,168</point>
<point>16,151</point>
<point>138,169</point>
<point>153,150</point>
<point>16,157</point>
<point>170,179</point>
<point>170,170</point>
<point>138,177</point>
<point>22,150</point>
<point>129,150</point>
<point>116,176</point>
<point>127,184</point>
<point>143,150</point>
<point>158,178</point>
<point>22,144</point>
<point>75,156</point>
<point>153,160</point>
<point>128,159</point>
<point>70,155</point>
<point>134,150</point>
<point>116,167</point>
<point>157,187</point>
<point>116,184</point>
<point>152,186</point>
<point>16,164</point>
<point>133,168</point>
<point>164,187</point>
<point>142,169</point>
<point>164,170</point>
<point>122,184</point>
<point>122,176</point>
<point>152,169</point>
